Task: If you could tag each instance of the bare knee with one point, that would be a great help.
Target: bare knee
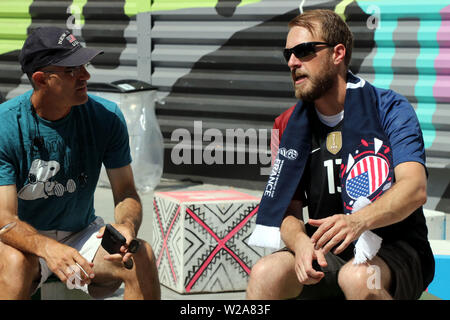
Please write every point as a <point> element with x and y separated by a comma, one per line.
<point>17,271</point>
<point>14,262</point>
<point>142,281</point>
<point>363,282</point>
<point>273,278</point>
<point>353,281</point>
<point>145,252</point>
<point>257,273</point>
<point>143,261</point>
<point>255,281</point>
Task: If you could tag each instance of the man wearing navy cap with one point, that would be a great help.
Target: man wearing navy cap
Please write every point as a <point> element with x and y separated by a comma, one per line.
<point>53,141</point>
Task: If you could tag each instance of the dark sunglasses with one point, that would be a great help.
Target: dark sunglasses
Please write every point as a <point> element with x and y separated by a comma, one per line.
<point>303,49</point>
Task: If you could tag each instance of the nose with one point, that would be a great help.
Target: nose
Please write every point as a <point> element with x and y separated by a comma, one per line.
<point>84,74</point>
<point>294,62</point>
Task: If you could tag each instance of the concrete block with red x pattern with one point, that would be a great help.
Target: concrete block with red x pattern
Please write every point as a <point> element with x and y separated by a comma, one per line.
<point>200,239</point>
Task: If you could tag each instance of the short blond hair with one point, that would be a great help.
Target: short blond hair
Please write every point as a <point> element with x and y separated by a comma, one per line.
<point>332,29</point>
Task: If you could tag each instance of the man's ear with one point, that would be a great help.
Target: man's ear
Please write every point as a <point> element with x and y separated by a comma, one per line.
<point>39,79</point>
<point>339,53</point>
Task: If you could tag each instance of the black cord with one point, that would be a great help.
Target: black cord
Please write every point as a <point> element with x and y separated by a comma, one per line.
<point>38,141</point>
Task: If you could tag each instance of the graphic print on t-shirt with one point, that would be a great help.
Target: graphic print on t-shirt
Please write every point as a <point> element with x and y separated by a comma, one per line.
<point>40,186</point>
<point>367,170</point>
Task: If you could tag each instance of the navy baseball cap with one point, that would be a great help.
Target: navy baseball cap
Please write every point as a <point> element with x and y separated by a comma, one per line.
<point>47,46</point>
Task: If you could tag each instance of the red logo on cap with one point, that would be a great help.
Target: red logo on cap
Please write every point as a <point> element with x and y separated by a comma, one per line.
<point>71,38</point>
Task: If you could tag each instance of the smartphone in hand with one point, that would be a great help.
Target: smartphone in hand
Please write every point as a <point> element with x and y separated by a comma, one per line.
<point>112,240</point>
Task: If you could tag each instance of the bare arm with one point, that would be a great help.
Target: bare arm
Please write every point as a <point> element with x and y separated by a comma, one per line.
<point>127,211</point>
<point>128,208</point>
<point>25,238</point>
<point>293,233</point>
<point>407,194</point>
<point>292,226</point>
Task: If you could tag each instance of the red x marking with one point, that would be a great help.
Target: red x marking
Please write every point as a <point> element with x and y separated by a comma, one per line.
<point>221,244</point>
<point>165,237</point>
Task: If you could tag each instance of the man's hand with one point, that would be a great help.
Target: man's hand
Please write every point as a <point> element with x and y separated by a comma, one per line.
<point>65,262</point>
<point>128,232</point>
<point>335,229</point>
<point>304,256</point>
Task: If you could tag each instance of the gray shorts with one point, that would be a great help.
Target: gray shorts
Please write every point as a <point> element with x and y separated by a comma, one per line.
<point>85,241</point>
<point>402,259</point>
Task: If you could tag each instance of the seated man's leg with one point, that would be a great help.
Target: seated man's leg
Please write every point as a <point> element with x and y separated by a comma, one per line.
<point>366,281</point>
<point>19,273</point>
<point>397,274</point>
<point>141,282</point>
<point>274,277</point>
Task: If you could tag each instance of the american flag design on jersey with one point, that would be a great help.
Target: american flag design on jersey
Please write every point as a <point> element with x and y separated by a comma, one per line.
<point>366,176</point>
<point>367,173</point>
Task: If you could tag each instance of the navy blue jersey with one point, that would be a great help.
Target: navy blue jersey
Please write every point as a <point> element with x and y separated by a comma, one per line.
<point>320,189</point>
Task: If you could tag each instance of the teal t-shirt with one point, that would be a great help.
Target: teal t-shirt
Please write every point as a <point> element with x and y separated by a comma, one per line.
<point>55,165</point>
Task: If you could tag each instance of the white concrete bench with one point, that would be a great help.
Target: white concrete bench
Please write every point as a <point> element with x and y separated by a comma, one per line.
<point>54,289</point>
<point>436,224</point>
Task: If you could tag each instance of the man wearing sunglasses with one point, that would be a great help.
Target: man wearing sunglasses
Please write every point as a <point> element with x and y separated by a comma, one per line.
<point>354,155</point>
<point>53,141</point>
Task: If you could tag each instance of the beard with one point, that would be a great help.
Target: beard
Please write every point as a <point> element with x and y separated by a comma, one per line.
<point>316,86</point>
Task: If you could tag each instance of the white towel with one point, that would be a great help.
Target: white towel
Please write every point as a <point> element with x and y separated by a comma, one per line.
<point>368,243</point>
